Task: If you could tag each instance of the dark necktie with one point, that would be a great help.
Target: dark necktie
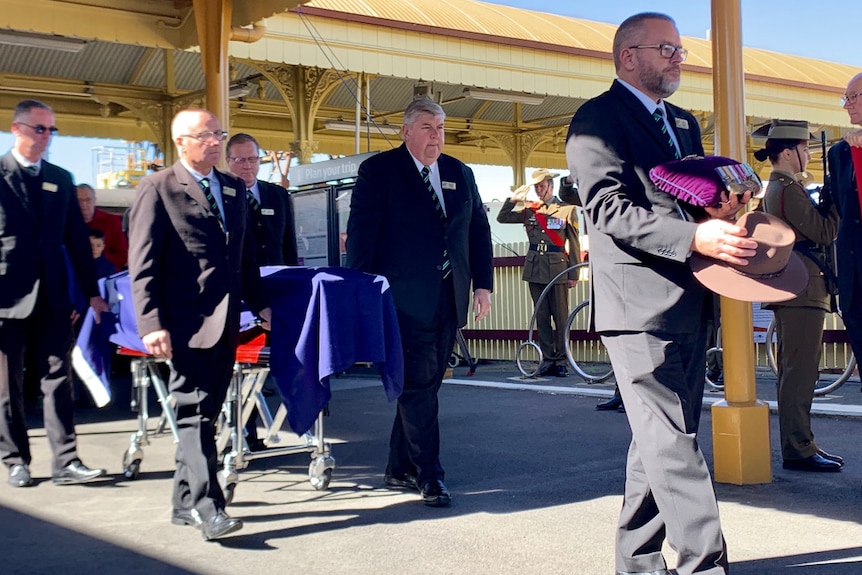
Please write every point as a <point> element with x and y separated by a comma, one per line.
<point>33,170</point>
<point>658,116</point>
<point>252,201</point>
<point>205,186</point>
<point>426,177</point>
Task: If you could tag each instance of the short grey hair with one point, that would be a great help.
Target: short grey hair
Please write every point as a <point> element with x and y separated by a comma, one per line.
<point>182,121</point>
<point>422,106</point>
<point>24,106</point>
<point>631,32</point>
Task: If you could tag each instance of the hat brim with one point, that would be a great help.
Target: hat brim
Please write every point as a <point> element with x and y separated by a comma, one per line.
<point>548,176</point>
<point>726,281</point>
<point>763,132</point>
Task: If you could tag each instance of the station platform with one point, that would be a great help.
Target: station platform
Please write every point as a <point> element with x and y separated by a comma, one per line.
<point>536,475</point>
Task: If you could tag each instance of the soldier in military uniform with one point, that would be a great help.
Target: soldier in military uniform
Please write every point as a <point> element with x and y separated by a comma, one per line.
<point>799,321</point>
<point>552,230</point>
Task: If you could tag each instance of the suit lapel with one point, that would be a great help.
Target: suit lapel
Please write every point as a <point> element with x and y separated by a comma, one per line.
<point>192,188</point>
<point>230,195</point>
<point>15,182</point>
<point>639,112</point>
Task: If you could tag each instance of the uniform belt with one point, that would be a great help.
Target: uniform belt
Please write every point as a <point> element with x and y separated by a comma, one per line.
<point>545,248</point>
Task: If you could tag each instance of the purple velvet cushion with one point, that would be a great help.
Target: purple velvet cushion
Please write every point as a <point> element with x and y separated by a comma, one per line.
<point>700,181</point>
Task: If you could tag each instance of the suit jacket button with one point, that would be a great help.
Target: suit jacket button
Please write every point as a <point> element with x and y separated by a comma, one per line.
<point>440,268</point>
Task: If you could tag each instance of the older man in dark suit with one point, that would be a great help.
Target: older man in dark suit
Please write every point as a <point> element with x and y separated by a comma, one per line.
<point>42,238</point>
<point>416,217</point>
<point>844,179</point>
<point>647,306</point>
<point>189,265</point>
<point>271,212</point>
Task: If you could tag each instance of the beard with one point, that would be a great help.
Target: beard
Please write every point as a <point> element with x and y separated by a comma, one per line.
<point>656,83</point>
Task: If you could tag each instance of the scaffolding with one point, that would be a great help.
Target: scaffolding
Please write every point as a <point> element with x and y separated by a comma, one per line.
<point>124,166</point>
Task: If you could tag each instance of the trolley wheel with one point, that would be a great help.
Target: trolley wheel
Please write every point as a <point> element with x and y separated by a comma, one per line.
<point>228,491</point>
<point>133,470</point>
<point>131,466</point>
<point>772,355</point>
<point>320,472</point>
<point>528,366</point>
<point>454,361</point>
<point>591,374</point>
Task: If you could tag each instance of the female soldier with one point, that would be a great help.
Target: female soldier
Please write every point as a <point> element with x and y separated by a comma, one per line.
<point>799,321</point>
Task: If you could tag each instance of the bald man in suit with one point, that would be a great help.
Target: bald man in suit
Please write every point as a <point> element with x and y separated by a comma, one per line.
<point>190,265</point>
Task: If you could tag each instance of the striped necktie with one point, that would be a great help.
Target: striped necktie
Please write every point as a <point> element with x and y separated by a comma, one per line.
<point>252,201</point>
<point>658,116</point>
<point>426,177</point>
<point>205,186</point>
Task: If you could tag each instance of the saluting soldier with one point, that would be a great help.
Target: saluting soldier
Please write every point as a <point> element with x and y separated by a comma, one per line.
<point>552,230</point>
<point>800,320</point>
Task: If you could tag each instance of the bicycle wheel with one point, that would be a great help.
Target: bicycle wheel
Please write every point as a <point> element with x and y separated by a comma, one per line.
<point>716,385</point>
<point>771,359</point>
<point>592,371</point>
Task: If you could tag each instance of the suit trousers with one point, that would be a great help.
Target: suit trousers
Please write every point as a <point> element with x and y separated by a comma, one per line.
<point>668,492</point>
<point>46,338</point>
<point>851,311</point>
<point>800,333</point>
<point>199,382</point>
<point>552,339</point>
<point>414,445</point>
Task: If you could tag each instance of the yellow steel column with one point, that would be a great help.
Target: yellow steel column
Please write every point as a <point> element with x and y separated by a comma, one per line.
<point>740,423</point>
<point>213,20</point>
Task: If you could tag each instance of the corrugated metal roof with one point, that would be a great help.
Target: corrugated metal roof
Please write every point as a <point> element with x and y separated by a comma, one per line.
<point>507,24</point>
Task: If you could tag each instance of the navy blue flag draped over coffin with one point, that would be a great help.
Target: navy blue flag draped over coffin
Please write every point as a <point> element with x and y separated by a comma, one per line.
<point>324,321</point>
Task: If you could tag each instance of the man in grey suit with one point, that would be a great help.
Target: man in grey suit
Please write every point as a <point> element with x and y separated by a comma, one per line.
<point>189,264</point>
<point>647,305</point>
<point>416,217</point>
<point>44,248</point>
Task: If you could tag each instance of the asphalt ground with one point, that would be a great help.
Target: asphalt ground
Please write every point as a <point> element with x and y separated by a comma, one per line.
<point>536,475</point>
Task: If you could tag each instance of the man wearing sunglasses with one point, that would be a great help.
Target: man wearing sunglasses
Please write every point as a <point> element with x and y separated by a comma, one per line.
<point>845,173</point>
<point>189,265</point>
<point>646,304</point>
<point>44,247</point>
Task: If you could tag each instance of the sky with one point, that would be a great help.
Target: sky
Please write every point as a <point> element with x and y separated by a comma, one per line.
<point>828,31</point>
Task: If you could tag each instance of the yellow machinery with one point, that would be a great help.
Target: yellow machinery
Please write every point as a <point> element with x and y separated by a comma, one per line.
<point>123,167</point>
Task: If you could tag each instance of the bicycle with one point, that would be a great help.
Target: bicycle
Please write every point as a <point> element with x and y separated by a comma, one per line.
<point>772,352</point>
<point>533,364</point>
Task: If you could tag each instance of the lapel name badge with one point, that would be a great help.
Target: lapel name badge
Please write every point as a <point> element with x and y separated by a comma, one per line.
<point>448,185</point>
<point>229,192</point>
<point>49,186</point>
<point>681,123</point>
<point>267,212</point>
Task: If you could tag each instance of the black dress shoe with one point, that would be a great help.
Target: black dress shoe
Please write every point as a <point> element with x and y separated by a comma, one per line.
<point>814,463</point>
<point>403,481</point>
<point>621,408</point>
<point>561,371</point>
<point>219,525</point>
<point>836,458</point>
<point>547,370</point>
<point>435,494</point>
<point>75,473</point>
<point>184,517</point>
<point>19,476</point>
<point>612,404</point>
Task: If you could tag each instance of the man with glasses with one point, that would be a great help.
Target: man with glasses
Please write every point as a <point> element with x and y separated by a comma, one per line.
<point>646,304</point>
<point>271,213</point>
<point>845,172</point>
<point>189,264</point>
<point>43,239</point>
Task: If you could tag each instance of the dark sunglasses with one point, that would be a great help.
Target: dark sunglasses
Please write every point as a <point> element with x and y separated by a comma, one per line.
<point>40,129</point>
